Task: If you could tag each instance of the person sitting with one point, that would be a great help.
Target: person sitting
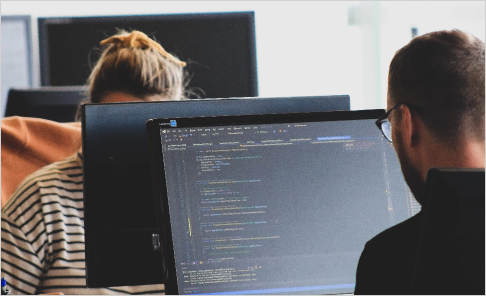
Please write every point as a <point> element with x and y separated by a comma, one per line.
<point>43,248</point>
<point>435,118</point>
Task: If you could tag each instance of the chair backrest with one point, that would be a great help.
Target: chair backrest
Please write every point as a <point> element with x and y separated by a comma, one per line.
<point>31,143</point>
<point>56,103</point>
<point>450,257</point>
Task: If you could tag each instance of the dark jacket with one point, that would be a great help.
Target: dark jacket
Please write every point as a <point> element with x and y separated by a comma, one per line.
<point>386,263</point>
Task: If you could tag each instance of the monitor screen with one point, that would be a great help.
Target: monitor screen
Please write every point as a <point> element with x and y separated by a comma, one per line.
<point>218,47</point>
<point>117,179</point>
<point>274,204</point>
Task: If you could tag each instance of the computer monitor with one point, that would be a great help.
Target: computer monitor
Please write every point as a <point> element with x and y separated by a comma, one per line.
<point>120,218</point>
<point>16,51</point>
<point>272,204</point>
<point>59,103</point>
<point>218,47</point>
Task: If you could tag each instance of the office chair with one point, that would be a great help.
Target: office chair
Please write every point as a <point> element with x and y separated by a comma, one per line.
<point>450,257</point>
<point>56,103</point>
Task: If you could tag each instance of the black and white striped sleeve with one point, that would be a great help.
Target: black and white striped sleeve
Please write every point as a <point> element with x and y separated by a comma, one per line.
<point>43,249</point>
<point>20,264</point>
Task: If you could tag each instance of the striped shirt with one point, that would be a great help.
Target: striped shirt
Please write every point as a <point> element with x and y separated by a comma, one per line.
<point>43,235</point>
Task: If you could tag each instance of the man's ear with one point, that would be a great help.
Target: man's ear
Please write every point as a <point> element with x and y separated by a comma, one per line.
<point>410,127</point>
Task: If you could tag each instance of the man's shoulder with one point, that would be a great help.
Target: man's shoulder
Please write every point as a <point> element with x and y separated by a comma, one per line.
<point>402,234</point>
<point>386,264</point>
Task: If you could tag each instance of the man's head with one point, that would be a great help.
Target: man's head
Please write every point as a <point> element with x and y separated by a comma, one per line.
<point>438,79</point>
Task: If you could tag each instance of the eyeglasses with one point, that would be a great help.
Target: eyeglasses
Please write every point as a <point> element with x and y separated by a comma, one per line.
<point>385,126</point>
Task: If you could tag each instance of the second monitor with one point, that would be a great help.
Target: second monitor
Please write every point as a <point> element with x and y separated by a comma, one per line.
<point>120,218</point>
<point>219,48</point>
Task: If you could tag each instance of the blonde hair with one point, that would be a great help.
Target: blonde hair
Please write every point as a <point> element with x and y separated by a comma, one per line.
<point>135,64</point>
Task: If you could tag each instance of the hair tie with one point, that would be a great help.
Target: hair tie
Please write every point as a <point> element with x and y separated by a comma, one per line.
<point>139,39</point>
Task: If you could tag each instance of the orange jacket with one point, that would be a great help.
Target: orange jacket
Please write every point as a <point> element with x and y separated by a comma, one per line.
<point>31,143</point>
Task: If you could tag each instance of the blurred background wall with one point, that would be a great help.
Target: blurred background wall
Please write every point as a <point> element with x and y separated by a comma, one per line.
<point>303,48</point>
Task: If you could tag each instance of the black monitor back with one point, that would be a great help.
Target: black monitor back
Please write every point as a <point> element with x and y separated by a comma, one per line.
<point>54,103</point>
<point>219,48</point>
<point>120,218</point>
<point>450,257</point>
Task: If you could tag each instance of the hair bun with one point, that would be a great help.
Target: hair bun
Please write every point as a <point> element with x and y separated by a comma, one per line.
<point>139,39</point>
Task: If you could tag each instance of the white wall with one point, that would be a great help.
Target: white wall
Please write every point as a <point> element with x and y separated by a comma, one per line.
<point>304,48</point>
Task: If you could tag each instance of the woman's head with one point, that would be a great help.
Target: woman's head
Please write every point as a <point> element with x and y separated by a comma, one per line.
<point>133,66</point>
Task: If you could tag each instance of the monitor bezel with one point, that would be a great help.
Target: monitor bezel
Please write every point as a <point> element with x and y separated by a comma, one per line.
<point>158,173</point>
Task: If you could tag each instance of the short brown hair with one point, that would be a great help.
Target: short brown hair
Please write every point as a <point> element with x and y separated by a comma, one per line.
<point>442,72</point>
